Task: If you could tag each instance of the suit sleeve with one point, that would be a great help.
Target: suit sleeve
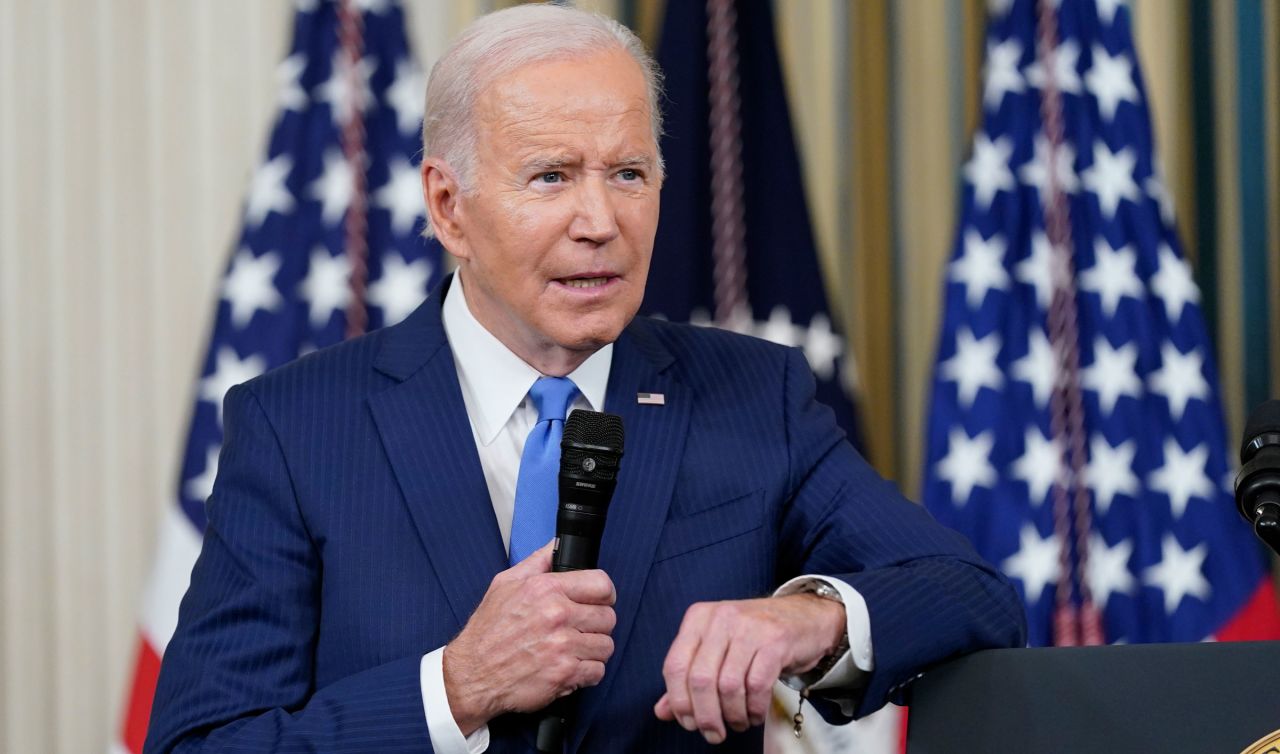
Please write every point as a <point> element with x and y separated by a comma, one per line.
<point>929,595</point>
<point>238,674</point>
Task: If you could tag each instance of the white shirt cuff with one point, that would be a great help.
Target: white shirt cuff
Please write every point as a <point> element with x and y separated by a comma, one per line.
<point>446,736</point>
<point>859,660</point>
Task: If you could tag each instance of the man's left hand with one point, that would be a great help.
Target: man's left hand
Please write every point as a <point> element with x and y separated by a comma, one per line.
<point>721,668</point>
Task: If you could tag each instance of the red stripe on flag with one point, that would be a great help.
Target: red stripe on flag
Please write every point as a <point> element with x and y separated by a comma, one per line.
<point>144,688</point>
<point>1258,620</point>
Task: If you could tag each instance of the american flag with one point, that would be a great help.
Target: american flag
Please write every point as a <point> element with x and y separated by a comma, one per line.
<point>330,247</point>
<point>1076,434</point>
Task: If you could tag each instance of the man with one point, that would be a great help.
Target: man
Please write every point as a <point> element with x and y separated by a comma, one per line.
<point>375,574</point>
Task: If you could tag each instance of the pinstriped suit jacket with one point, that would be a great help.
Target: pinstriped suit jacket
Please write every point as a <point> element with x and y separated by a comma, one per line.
<point>350,531</point>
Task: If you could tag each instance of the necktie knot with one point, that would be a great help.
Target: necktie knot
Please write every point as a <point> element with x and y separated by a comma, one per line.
<point>552,396</point>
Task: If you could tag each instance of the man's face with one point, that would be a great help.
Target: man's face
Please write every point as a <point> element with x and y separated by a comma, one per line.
<point>555,240</point>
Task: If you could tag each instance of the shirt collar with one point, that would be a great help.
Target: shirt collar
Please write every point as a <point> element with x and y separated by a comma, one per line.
<point>495,379</point>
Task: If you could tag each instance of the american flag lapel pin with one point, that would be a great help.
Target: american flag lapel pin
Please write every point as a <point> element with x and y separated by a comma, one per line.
<point>651,399</point>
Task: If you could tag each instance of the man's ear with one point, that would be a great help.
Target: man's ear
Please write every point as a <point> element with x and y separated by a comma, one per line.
<point>440,192</point>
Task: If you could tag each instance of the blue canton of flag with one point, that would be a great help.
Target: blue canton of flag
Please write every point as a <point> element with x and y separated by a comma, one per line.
<point>288,286</point>
<point>330,244</point>
<point>774,271</point>
<point>1160,549</point>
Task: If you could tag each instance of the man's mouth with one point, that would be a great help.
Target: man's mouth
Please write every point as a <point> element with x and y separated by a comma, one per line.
<point>585,282</point>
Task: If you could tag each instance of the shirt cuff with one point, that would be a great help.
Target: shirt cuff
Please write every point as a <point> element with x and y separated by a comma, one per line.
<point>446,736</point>
<point>849,670</point>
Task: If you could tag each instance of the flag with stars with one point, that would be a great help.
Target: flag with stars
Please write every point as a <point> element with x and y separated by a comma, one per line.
<point>330,247</point>
<point>734,246</point>
<point>1076,434</point>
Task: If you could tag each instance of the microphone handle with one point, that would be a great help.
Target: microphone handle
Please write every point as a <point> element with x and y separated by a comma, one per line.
<point>572,553</point>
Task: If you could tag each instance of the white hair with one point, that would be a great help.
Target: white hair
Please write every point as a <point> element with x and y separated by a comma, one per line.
<point>497,44</point>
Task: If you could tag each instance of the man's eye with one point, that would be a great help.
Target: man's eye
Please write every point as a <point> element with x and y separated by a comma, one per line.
<point>629,175</point>
<point>550,178</point>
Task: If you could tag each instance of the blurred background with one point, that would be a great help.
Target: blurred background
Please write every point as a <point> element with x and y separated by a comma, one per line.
<point>129,134</point>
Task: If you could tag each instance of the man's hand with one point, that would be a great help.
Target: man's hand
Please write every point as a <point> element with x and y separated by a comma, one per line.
<point>721,667</point>
<point>536,636</point>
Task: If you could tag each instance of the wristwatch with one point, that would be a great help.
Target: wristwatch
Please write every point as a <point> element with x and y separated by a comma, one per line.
<point>827,592</point>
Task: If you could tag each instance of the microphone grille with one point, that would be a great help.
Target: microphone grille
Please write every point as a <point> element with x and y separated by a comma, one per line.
<point>1264,420</point>
<point>594,428</point>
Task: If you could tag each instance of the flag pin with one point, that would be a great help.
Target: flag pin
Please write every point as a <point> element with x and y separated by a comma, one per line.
<point>651,399</point>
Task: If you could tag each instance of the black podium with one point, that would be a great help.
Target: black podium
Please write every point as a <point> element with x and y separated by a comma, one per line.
<point>1184,698</point>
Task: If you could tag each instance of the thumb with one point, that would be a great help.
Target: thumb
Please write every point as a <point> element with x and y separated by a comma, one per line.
<point>538,561</point>
<point>663,709</point>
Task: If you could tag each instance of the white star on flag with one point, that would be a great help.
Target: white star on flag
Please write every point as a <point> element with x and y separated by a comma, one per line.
<point>1158,189</point>
<point>402,196</point>
<point>1108,569</point>
<point>1002,75</point>
<point>1110,79</point>
<point>267,192</point>
<point>1035,564</point>
<point>327,287</point>
<point>401,288</point>
<point>981,267</point>
<point>1112,276</point>
<point>343,99</point>
<point>822,347</point>
<point>1179,573</point>
<point>199,488</point>
<point>1107,10</point>
<point>1110,472</point>
<point>1182,476</point>
<point>1110,177</point>
<point>1039,465</point>
<point>1179,378</point>
<point>973,366</point>
<point>998,8</point>
<point>1112,374</point>
<point>967,464</point>
<point>406,96</point>
<point>229,370</point>
<point>1065,59</point>
<point>249,285</point>
<point>1173,285</point>
<point>334,188</point>
<point>289,92</point>
<point>988,168</point>
<point>779,328</point>
<point>1035,172</point>
<point>1038,367</point>
<point>1036,270</point>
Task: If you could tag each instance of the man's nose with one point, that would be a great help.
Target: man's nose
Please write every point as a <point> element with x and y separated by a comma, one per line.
<point>596,221</point>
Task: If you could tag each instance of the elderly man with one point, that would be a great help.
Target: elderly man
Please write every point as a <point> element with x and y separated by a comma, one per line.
<point>376,570</point>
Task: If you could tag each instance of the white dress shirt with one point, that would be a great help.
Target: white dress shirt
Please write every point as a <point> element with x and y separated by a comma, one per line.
<point>495,385</point>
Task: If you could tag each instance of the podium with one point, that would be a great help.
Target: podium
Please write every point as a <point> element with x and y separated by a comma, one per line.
<point>1185,698</point>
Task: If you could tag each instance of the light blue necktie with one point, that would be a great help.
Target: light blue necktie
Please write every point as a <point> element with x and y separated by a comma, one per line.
<point>533,523</point>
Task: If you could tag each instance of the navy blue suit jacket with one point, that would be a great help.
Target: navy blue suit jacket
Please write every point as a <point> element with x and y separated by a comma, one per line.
<point>350,532</point>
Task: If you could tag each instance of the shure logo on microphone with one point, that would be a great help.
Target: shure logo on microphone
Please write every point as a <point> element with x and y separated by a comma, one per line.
<point>588,485</point>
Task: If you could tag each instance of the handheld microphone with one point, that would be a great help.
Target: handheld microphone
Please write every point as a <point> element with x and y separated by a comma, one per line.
<point>590,451</point>
<point>1258,483</point>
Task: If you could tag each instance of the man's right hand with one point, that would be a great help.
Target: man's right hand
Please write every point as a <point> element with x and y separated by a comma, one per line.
<point>535,637</point>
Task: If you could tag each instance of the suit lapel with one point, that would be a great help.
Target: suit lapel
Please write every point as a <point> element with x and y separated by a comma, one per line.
<point>423,424</point>
<point>654,446</point>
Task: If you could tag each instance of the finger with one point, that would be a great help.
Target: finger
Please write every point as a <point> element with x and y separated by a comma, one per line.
<point>590,673</point>
<point>663,709</point>
<point>675,668</point>
<point>595,647</point>
<point>593,619</point>
<point>704,679</point>
<point>538,561</point>
<point>592,587</point>
<point>765,668</point>
<point>732,684</point>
